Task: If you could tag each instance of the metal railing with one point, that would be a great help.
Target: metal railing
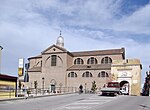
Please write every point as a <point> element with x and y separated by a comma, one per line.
<point>45,91</point>
<point>11,93</point>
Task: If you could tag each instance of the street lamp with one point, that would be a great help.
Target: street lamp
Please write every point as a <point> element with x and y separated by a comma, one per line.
<point>1,48</point>
<point>85,87</point>
<point>43,84</point>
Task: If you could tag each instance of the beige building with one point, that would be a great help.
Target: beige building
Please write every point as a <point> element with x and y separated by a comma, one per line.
<point>57,67</point>
<point>128,73</point>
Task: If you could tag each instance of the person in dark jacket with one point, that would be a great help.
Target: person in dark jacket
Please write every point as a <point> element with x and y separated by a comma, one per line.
<point>81,89</point>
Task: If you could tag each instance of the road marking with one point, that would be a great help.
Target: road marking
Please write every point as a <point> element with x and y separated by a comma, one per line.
<point>86,104</point>
<point>73,108</point>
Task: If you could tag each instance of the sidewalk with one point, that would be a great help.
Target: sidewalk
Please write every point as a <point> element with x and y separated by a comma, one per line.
<point>33,96</point>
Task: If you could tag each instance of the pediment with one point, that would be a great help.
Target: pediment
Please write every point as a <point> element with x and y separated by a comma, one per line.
<point>54,49</point>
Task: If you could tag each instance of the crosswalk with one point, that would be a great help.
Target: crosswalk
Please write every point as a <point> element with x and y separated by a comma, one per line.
<point>86,104</point>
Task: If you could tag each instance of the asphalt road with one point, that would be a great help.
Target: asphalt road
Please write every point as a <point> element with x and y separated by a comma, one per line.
<point>79,102</point>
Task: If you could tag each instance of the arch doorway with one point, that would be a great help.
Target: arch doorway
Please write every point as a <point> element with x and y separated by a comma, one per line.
<point>53,86</point>
<point>124,87</point>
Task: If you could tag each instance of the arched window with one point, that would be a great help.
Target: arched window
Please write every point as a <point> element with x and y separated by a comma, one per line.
<point>72,74</point>
<point>87,74</point>
<point>78,61</point>
<point>92,60</point>
<point>106,60</point>
<point>53,60</point>
<point>103,74</point>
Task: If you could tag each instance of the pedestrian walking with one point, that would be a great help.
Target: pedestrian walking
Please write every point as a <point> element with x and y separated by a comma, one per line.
<point>80,89</point>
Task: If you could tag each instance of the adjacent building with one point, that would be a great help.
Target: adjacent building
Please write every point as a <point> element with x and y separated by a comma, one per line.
<point>8,86</point>
<point>128,73</point>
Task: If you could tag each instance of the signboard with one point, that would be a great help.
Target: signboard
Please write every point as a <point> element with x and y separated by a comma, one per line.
<point>124,74</point>
<point>135,81</point>
<point>20,67</point>
<point>20,71</point>
<point>21,62</point>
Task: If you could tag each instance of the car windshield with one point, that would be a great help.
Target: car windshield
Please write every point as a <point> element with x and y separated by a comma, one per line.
<point>113,85</point>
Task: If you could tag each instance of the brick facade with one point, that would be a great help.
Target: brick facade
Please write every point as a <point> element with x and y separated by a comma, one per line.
<point>89,66</point>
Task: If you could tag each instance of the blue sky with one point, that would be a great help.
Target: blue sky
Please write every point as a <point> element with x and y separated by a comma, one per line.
<point>27,27</point>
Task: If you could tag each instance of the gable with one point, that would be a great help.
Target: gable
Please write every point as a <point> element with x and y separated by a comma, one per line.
<point>54,49</point>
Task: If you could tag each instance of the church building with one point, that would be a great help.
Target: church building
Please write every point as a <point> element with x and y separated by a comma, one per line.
<point>57,67</point>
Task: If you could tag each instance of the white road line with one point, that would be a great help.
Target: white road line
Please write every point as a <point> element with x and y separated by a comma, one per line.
<point>73,108</point>
<point>86,104</point>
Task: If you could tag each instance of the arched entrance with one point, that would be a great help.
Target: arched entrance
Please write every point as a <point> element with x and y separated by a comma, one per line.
<point>124,87</point>
<point>53,86</point>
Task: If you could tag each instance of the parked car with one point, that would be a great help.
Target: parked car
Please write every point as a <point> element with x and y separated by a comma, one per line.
<point>123,92</point>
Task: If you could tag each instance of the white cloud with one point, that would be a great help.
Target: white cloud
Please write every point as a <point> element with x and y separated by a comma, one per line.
<point>29,26</point>
<point>138,22</point>
<point>98,13</point>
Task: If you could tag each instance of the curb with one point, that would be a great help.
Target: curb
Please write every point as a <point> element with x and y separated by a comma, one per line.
<point>31,97</point>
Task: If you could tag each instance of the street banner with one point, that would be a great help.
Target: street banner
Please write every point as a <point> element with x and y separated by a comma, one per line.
<point>21,62</point>
<point>20,71</point>
<point>21,67</point>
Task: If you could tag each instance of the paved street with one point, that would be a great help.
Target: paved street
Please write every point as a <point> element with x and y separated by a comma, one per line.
<point>79,102</point>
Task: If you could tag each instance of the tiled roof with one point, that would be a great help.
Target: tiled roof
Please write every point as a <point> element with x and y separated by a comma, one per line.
<point>90,67</point>
<point>86,53</point>
<point>99,52</point>
<point>38,56</point>
<point>35,69</point>
<point>7,77</point>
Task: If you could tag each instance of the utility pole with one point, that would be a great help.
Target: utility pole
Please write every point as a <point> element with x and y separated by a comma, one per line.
<point>1,48</point>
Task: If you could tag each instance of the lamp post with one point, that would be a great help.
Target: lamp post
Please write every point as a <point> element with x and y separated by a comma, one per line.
<point>85,87</point>
<point>60,85</point>
<point>43,84</point>
<point>1,48</point>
